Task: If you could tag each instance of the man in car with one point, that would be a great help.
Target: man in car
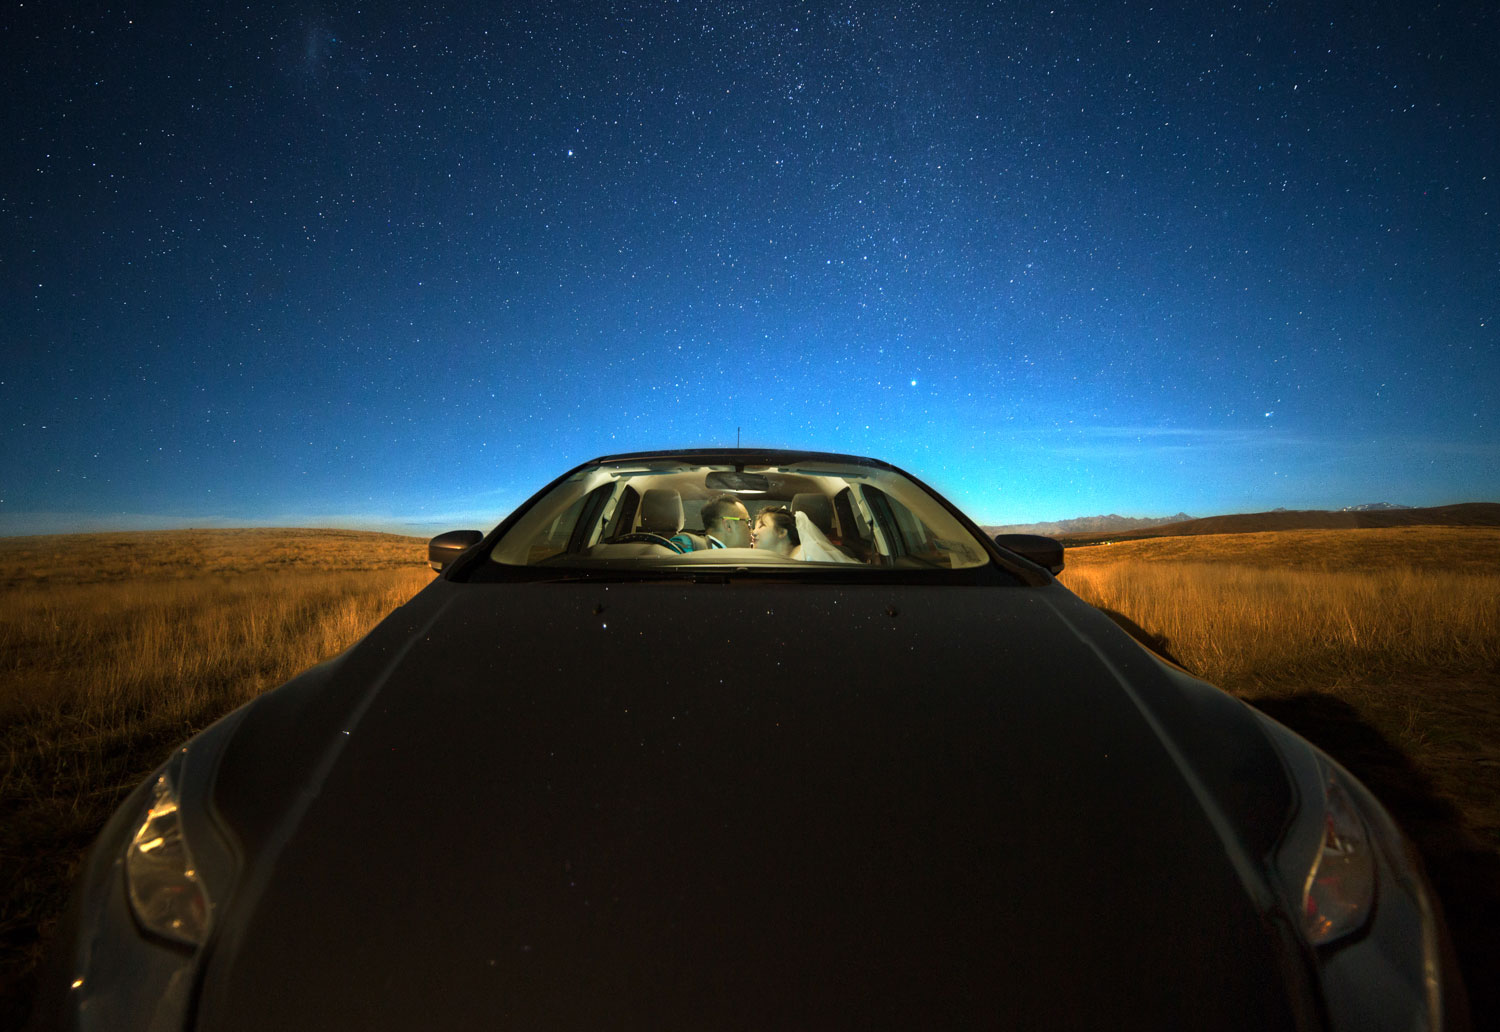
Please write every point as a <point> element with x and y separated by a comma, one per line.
<point>726,524</point>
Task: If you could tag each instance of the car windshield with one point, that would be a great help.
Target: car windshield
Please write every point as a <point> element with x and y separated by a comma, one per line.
<point>676,513</point>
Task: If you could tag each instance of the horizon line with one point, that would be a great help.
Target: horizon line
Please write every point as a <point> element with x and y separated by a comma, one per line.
<point>85,525</point>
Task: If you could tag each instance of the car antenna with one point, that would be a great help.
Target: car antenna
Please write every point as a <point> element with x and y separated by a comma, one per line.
<point>736,437</point>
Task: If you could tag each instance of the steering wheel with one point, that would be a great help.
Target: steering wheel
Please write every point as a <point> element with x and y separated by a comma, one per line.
<point>649,538</point>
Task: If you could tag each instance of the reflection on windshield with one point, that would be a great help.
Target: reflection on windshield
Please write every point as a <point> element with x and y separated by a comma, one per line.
<point>666,513</point>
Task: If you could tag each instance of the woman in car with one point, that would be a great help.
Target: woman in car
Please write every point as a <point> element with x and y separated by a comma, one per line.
<point>775,530</point>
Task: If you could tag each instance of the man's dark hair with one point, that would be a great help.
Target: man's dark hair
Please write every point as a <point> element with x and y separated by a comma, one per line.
<point>783,518</point>
<point>718,505</point>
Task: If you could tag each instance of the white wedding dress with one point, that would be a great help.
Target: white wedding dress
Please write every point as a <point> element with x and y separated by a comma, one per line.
<point>816,548</point>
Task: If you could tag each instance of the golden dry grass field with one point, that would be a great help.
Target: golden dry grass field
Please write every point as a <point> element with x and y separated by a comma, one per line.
<point>1382,646</point>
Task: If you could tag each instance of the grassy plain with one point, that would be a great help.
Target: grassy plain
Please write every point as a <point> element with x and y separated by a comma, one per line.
<point>1382,646</point>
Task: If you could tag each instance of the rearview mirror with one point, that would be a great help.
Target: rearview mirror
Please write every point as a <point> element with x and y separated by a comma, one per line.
<point>445,548</point>
<point>1044,551</point>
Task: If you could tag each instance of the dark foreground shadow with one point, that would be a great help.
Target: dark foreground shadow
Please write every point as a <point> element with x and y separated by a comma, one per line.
<point>1465,874</point>
<point>1157,643</point>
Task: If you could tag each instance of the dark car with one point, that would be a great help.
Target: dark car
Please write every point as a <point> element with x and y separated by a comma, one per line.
<point>617,768</point>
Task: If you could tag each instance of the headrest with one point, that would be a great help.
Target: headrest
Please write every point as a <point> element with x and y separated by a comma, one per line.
<point>661,511</point>
<point>818,508</point>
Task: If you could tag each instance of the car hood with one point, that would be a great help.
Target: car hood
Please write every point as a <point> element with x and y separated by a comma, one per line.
<point>732,805</point>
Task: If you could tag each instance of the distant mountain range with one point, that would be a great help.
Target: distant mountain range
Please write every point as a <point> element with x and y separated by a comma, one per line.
<point>1089,525</point>
<point>1376,514</point>
<point>1367,507</point>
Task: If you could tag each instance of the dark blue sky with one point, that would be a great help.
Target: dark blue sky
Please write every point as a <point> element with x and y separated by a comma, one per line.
<point>396,265</point>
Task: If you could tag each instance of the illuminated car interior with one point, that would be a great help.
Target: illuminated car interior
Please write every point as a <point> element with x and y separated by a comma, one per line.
<point>631,511</point>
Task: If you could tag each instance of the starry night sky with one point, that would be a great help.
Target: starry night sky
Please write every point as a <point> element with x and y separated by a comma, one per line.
<point>397,265</point>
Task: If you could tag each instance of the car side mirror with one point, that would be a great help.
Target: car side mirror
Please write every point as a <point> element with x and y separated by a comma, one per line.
<point>1044,551</point>
<point>445,548</point>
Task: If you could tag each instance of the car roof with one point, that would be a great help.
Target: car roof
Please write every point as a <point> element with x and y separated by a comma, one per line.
<point>745,456</point>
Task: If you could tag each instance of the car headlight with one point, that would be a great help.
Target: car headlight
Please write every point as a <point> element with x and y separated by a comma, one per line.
<point>1339,888</point>
<point>162,883</point>
<point>148,902</point>
<point>1356,894</point>
<point>1329,857</point>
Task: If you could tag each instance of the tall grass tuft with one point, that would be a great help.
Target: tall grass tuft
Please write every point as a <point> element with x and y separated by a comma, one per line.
<point>1253,628</point>
<point>106,654</point>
